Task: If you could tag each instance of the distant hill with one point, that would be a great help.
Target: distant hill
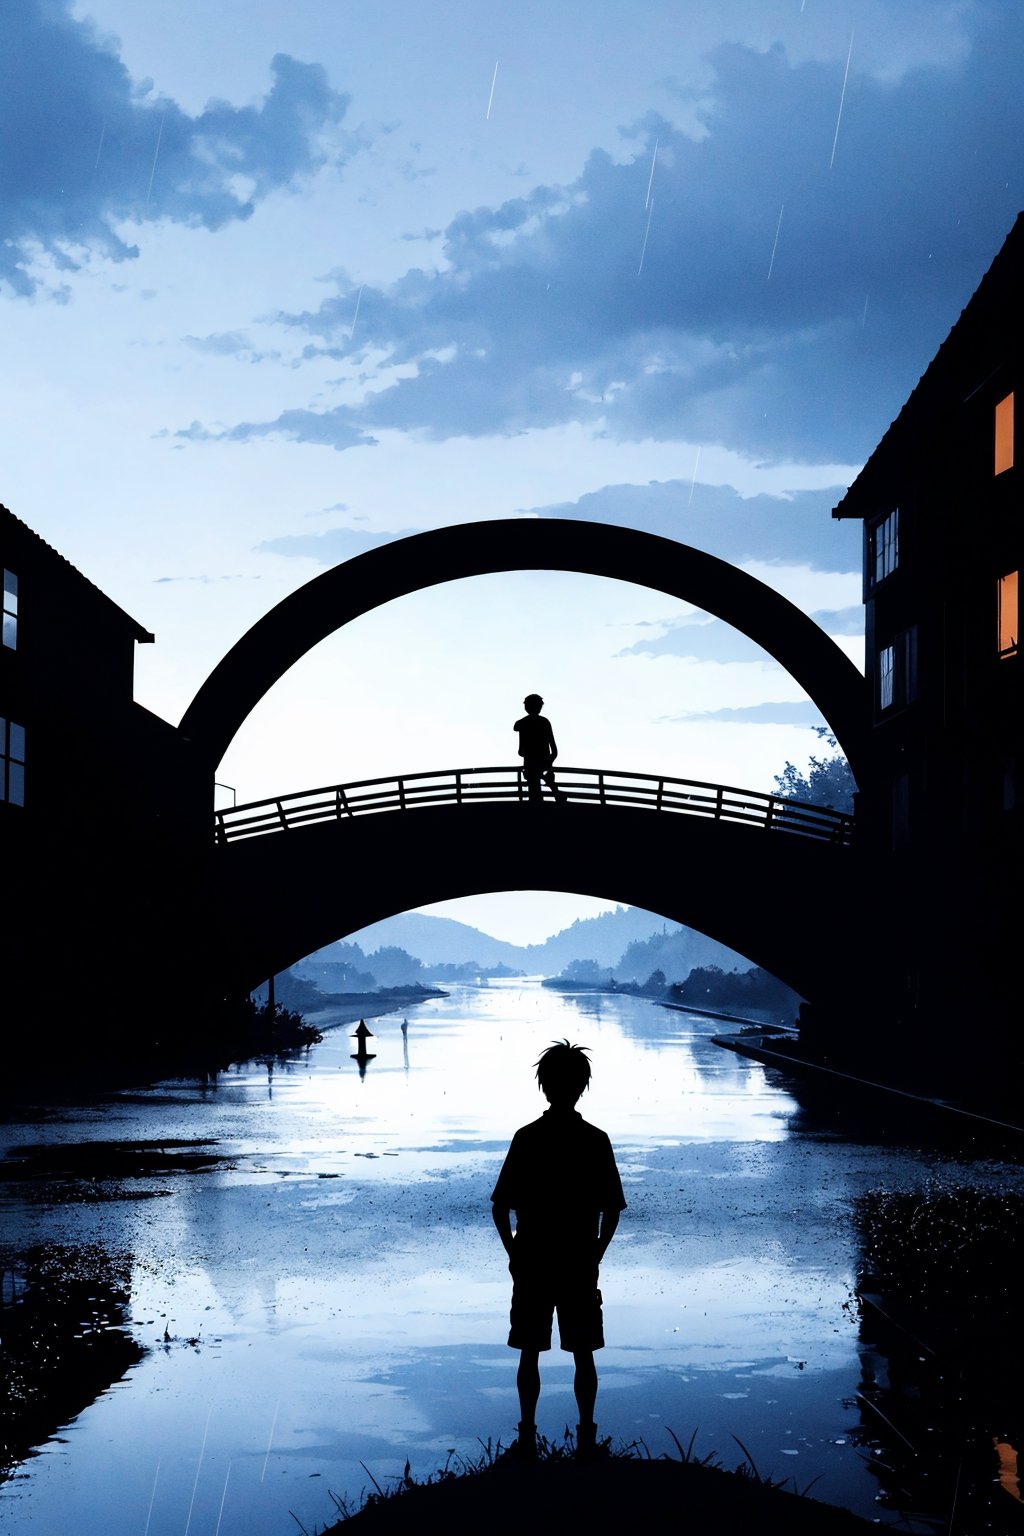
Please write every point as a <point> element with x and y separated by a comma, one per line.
<point>604,939</point>
<point>434,940</point>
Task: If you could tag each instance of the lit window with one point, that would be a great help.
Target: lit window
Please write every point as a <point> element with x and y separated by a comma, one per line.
<point>1006,614</point>
<point>1004,434</point>
<point>884,547</point>
<point>897,671</point>
<point>12,762</point>
<point>10,610</point>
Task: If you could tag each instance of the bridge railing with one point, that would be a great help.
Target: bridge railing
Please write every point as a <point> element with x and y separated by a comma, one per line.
<point>582,786</point>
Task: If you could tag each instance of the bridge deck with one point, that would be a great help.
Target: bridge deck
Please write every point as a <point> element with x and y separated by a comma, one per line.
<point>594,787</point>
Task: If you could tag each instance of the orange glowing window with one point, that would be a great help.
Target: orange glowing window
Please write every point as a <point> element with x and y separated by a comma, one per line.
<point>1004,434</point>
<point>1007,614</point>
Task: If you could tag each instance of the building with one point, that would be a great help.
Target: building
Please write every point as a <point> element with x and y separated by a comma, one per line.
<point>94,790</point>
<point>940,499</point>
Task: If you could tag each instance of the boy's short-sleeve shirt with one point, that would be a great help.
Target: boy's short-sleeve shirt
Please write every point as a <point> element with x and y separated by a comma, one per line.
<point>535,736</point>
<point>558,1176</point>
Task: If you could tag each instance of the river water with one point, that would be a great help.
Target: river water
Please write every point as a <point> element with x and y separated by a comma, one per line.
<point>321,1295</point>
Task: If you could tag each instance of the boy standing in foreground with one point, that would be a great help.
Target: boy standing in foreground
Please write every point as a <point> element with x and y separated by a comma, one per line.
<point>561,1180</point>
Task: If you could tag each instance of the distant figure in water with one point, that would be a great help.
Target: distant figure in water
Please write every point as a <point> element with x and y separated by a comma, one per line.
<point>561,1180</point>
<point>537,749</point>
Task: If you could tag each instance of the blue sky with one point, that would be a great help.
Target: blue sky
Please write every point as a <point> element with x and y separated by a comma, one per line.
<point>282,282</point>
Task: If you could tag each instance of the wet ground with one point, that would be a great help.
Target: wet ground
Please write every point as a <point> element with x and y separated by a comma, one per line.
<point>304,1256</point>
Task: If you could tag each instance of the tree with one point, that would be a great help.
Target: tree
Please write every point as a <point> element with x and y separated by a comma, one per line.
<point>586,971</point>
<point>828,780</point>
<point>394,967</point>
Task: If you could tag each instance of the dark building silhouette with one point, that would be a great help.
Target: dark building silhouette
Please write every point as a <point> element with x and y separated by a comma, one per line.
<point>940,804</point>
<point>95,791</point>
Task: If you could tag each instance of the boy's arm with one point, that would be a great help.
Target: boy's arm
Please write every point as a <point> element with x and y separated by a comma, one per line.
<point>503,1221</point>
<point>609,1221</point>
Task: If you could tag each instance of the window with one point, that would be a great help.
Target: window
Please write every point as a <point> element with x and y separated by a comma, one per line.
<point>884,547</point>
<point>897,671</point>
<point>12,762</point>
<point>1004,434</point>
<point>1007,626</point>
<point>886,667</point>
<point>10,610</point>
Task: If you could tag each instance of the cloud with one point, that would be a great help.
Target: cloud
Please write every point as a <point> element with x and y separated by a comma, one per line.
<point>798,528</point>
<point>230,344</point>
<point>86,148</point>
<point>332,546</point>
<point>162,581</point>
<point>841,621</point>
<point>798,712</point>
<point>305,426</point>
<point>768,295</point>
<point>700,639</point>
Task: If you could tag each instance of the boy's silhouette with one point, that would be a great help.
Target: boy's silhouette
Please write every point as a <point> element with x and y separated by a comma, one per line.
<point>537,749</point>
<point>561,1180</point>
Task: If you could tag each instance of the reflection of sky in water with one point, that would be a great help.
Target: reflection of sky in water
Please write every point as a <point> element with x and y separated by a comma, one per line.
<point>349,1295</point>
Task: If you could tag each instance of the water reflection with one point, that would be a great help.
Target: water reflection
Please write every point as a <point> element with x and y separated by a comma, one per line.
<point>63,1340</point>
<point>938,1291</point>
<point>346,1296</point>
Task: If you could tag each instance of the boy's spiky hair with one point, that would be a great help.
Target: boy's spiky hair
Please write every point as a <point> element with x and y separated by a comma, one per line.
<point>564,1069</point>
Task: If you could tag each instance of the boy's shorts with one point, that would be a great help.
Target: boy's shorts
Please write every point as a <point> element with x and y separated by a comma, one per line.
<point>538,1291</point>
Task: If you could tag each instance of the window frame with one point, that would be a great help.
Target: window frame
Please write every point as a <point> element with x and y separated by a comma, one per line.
<point>12,762</point>
<point>1003,435</point>
<point>10,610</point>
<point>883,548</point>
<point>1003,586</point>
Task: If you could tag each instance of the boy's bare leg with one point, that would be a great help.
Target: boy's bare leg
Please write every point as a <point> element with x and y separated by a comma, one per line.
<point>585,1385</point>
<point>528,1382</point>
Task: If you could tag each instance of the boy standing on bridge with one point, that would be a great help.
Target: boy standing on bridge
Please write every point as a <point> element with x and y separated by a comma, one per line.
<point>561,1180</point>
<point>537,749</point>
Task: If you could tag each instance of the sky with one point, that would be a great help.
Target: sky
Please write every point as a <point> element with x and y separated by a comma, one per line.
<point>283,282</point>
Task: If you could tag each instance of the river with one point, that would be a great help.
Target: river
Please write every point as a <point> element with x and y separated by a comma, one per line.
<point>318,1295</point>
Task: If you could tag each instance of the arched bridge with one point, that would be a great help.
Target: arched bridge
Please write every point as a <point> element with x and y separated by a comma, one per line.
<point>774,879</point>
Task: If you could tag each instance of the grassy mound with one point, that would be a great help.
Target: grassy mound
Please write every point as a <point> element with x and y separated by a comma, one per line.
<point>621,1488</point>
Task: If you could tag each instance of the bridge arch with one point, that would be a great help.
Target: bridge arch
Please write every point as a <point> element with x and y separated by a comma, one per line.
<point>789,903</point>
<point>336,597</point>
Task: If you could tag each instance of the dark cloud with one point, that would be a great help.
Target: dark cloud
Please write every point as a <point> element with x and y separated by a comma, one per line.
<point>542,314</point>
<point>802,712</point>
<point>332,546</point>
<point>797,529</point>
<point>85,147</point>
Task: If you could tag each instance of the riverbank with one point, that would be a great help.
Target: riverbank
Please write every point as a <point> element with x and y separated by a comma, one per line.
<point>240,1030</point>
<point>982,1109</point>
<point>348,1007</point>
